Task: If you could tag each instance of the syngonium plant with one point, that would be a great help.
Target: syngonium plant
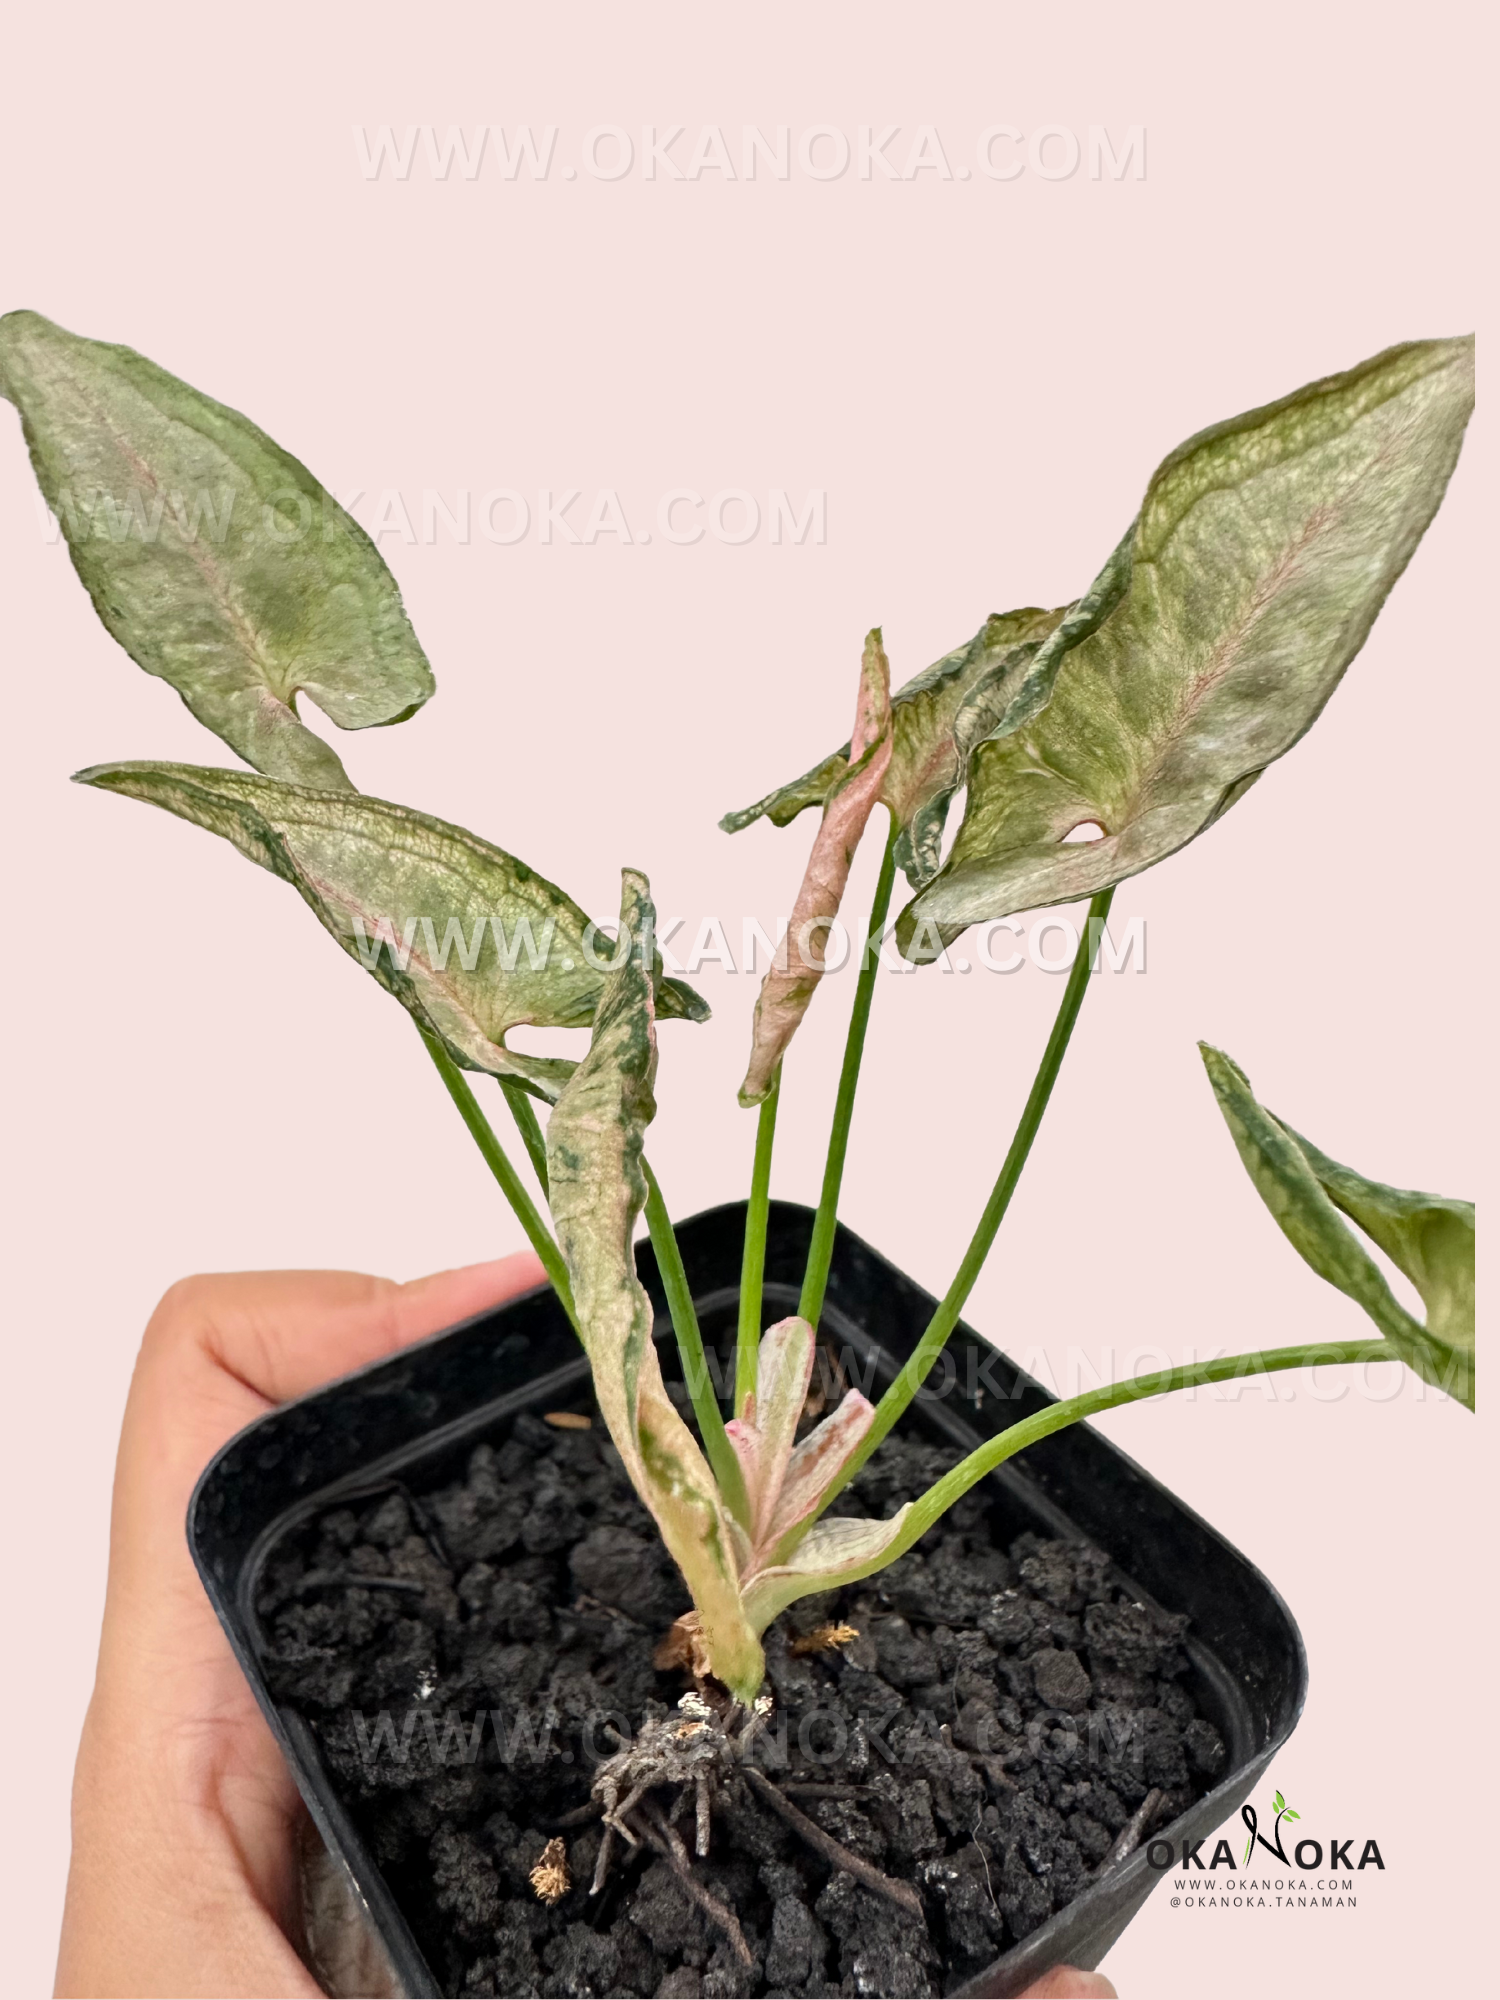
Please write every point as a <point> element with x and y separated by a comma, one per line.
<point>1091,741</point>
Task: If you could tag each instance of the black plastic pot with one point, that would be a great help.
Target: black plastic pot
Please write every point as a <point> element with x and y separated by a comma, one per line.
<point>422,1411</point>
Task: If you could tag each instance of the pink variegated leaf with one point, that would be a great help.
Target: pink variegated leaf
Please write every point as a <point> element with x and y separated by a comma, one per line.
<point>746,1440</point>
<point>817,1463</point>
<point>783,1372</point>
<point>764,1436</point>
<point>793,977</point>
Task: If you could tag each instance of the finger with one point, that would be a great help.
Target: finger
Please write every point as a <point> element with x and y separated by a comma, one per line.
<point>282,1333</point>
<point>1066,1982</point>
<point>174,1750</point>
<point>220,1351</point>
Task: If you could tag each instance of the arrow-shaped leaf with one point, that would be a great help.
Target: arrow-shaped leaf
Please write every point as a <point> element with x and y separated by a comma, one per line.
<point>1261,555</point>
<point>468,938</point>
<point>1427,1236</point>
<point>213,556</point>
<point>598,1189</point>
<point>926,766</point>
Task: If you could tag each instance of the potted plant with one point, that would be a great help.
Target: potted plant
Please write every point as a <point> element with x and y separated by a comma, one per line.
<point>1091,741</point>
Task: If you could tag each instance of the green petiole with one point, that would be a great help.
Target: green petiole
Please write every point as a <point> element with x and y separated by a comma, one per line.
<point>898,1396</point>
<point>717,1448</point>
<point>753,1264</point>
<point>950,1489</point>
<point>825,1223</point>
<point>529,1126</point>
<point>537,1232</point>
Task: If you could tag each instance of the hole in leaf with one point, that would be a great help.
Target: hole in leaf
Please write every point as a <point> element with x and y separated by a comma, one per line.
<point>958,806</point>
<point>530,1040</point>
<point>1088,829</point>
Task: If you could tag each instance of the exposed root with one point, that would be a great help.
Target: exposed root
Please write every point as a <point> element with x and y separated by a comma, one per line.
<point>352,1579</point>
<point>902,1894</point>
<point>1134,1830</point>
<point>422,1518</point>
<point>601,1866</point>
<point>759,1716</point>
<point>792,1788</point>
<point>580,1816</point>
<point>668,1843</point>
<point>693,1753</point>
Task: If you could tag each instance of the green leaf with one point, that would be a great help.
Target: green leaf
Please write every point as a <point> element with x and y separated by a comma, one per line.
<point>1428,1237</point>
<point>595,1140</point>
<point>1279,1802</point>
<point>214,557</point>
<point>436,894</point>
<point>1262,553</point>
<point>793,975</point>
<point>783,805</point>
<point>1019,688</point>
<point>1289,1814</point>
<point>926,767</point>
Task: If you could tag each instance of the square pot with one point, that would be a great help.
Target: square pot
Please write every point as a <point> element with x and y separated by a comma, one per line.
<point>419,1413</point>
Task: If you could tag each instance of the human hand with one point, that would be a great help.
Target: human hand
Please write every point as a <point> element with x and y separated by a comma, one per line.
<point>184,1877</point>
<point>1066,1982</point>
<point>186,1823</point>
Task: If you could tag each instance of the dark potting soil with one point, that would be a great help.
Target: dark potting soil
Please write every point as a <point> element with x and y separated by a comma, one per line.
<point>997,1722</point>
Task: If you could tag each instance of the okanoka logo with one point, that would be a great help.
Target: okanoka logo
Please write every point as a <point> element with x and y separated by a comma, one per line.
<point>1300,1854</point>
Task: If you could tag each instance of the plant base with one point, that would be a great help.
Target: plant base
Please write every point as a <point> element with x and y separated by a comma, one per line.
<point>397,1544</point>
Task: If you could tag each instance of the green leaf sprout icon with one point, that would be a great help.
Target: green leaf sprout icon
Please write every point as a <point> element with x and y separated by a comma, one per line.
<point>1273,1845</point>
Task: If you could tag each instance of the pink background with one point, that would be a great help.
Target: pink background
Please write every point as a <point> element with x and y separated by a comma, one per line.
<point>981,376</point>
